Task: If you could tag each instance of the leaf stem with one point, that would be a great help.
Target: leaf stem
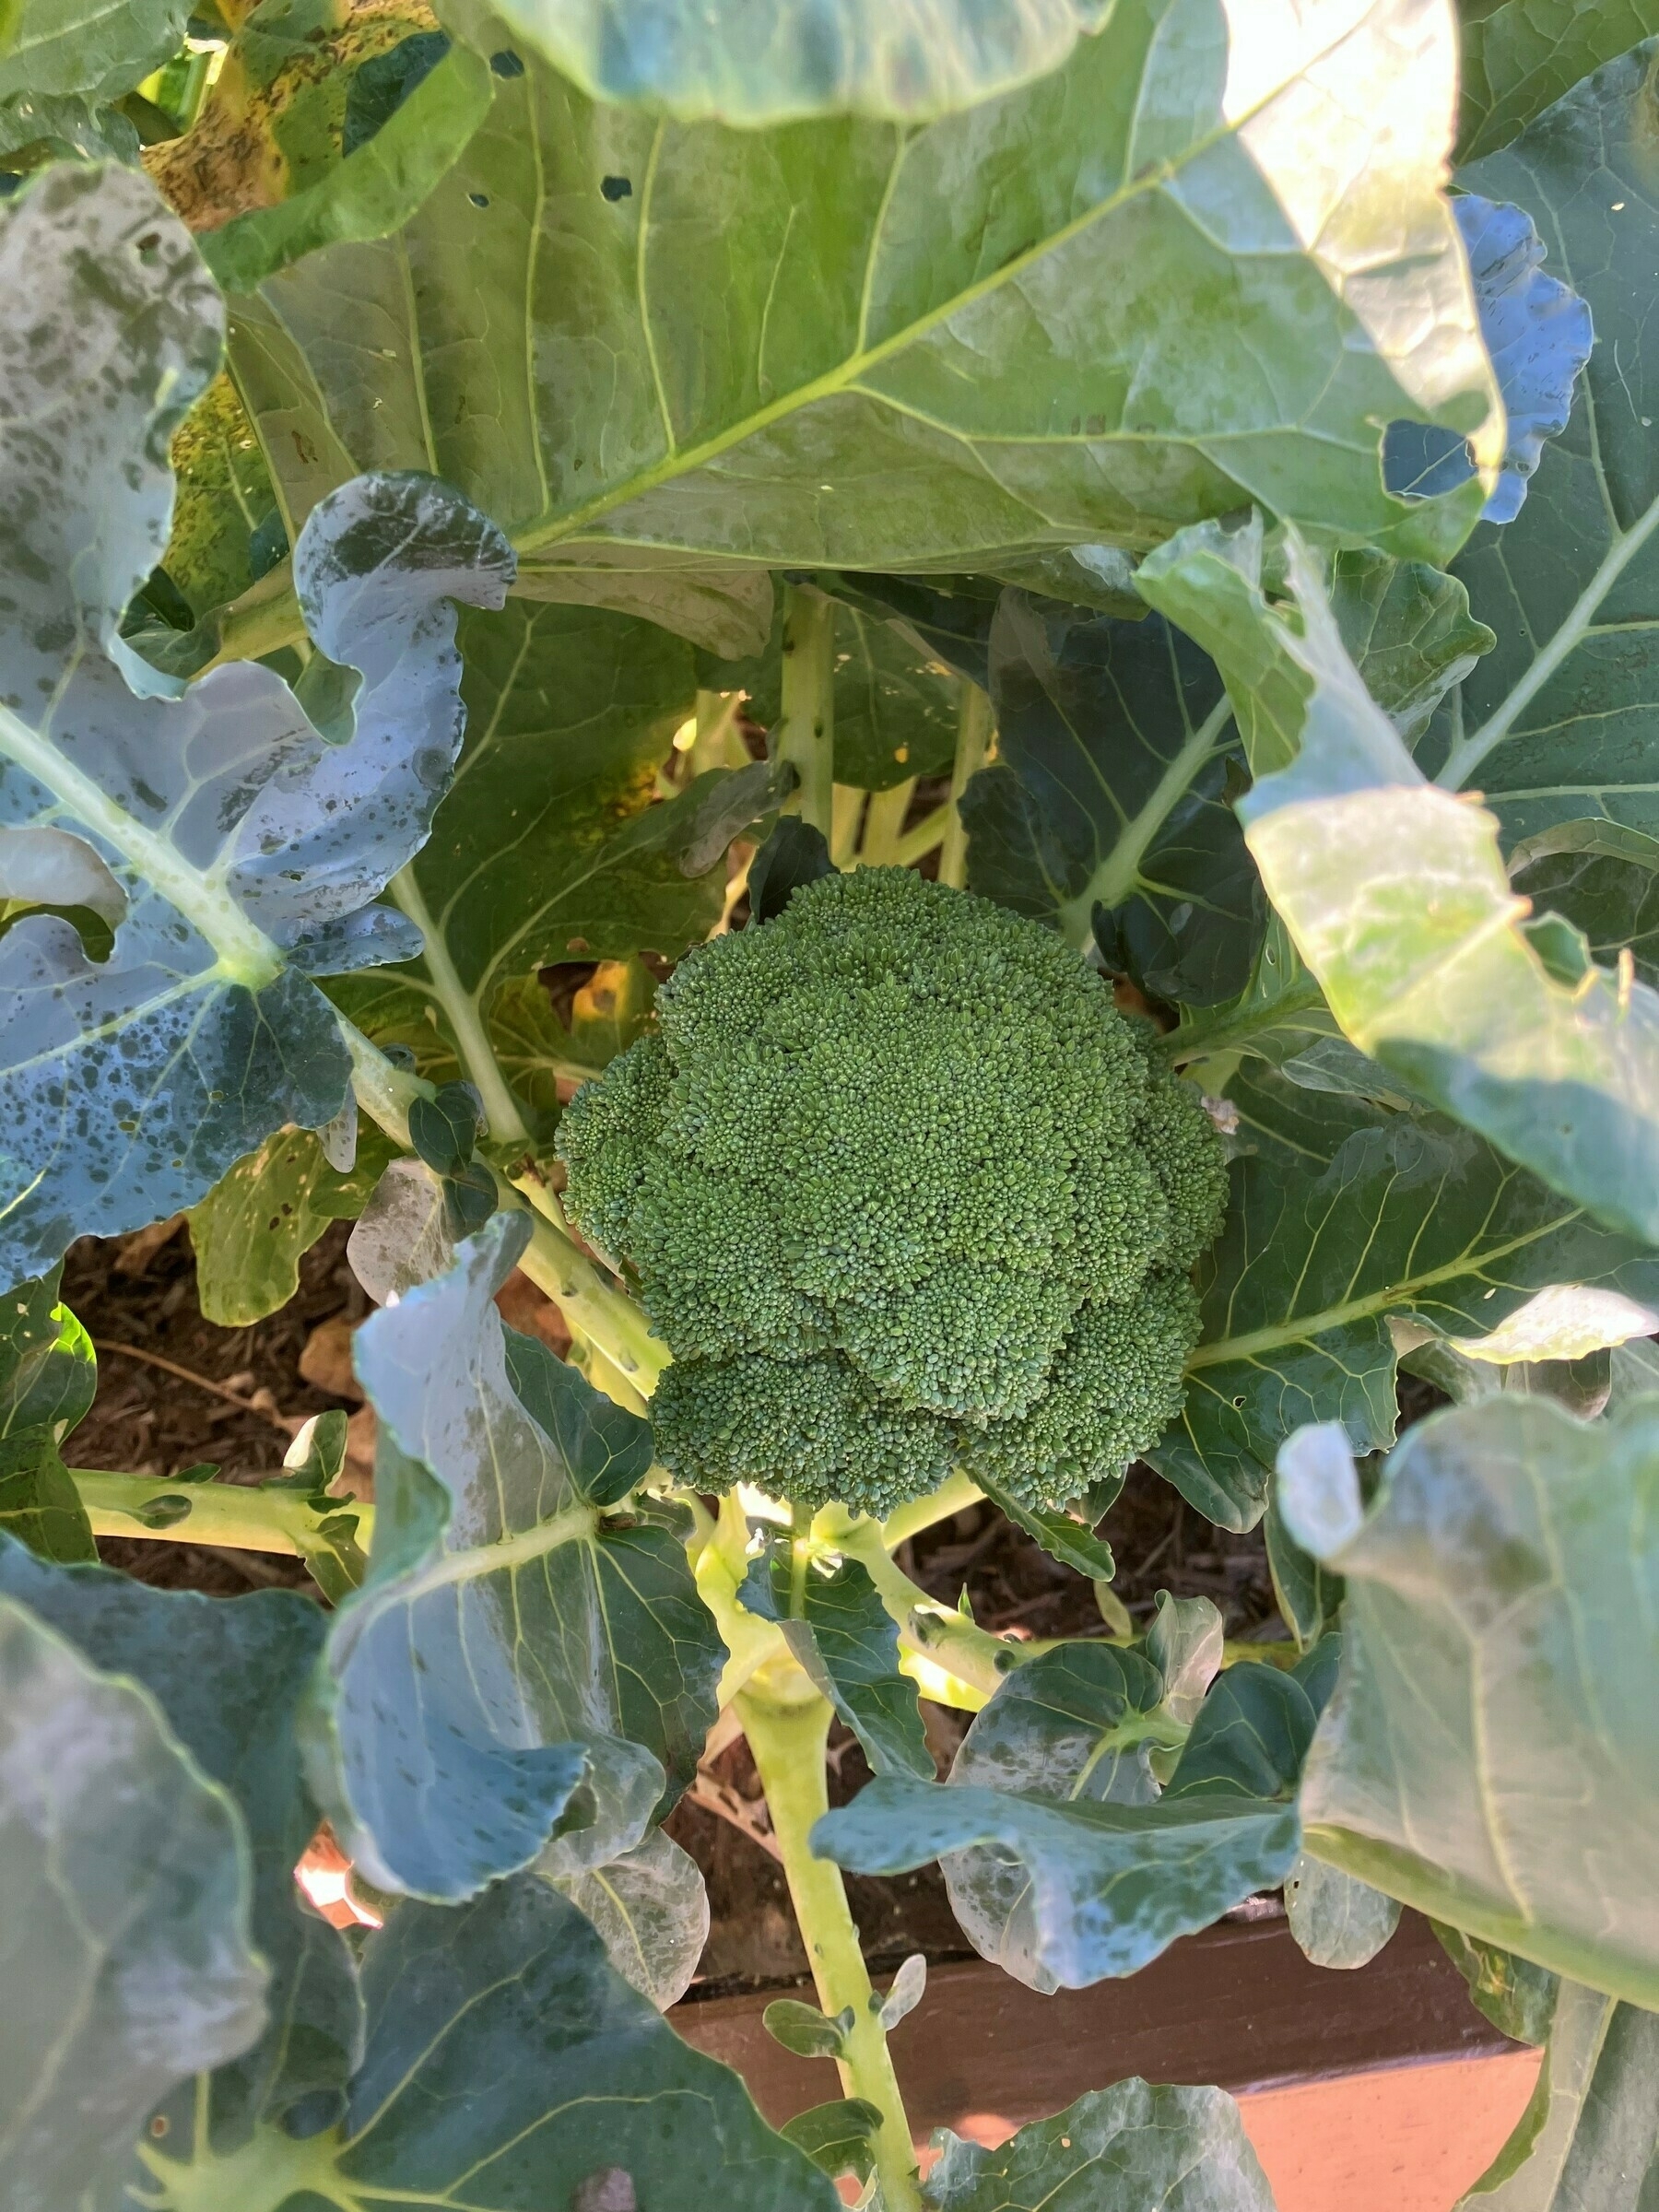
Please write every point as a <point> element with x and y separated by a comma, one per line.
<point>945,1640</point>
<point>954,1495</point>
<point>884,824</point>
<point>787,1724</point>
<point>974,728</point>
<point>463,1013</point>
<point>806,735</point>
<point>238,1517</point>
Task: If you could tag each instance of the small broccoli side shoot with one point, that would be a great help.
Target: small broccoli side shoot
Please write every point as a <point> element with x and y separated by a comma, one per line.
<point>902,1191</point>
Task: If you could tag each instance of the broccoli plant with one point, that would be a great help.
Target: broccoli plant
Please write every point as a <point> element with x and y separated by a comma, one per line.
<point>944,713</point>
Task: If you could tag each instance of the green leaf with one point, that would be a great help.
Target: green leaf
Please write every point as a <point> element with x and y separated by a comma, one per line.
<point>1073,1724</point>
<point>261,1219</point>
<point>841,1633</point>
<point>1603,878</point>
<point>964,329</point>
<point>1555,724</point>
<point>838,2137</point>
<point>1114,742</point>
<point>230,1677</point>
<point>376,186</point>
<point>896,702</point>
<point>1102,1885</point>
<point>805,2030</point>
<point>652,1911</point>
<point>548,848</point>
<point>48,1378</point>
<point>1329,1236</point>
<point>98,48</point>
<point>1492,1756</point>
<point>1071,1541</point>
<point>506,2065</point>
<point>1308,1596</point>
<point>124,1920</point>
<point>1589,2136</point>
<point>1114,2150</point>
<point>516,1632</point>
<point>1447,993</point>
<point>1518,55</point>
<point>1515,1996</point>
<point>226,528</point>
<point>1336,1920</point>
<point>850,1649</point>
<point>243,847</point>
<point>774,60</point>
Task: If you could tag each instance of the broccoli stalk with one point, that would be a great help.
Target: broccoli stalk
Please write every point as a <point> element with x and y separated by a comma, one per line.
<point>903,1192</point>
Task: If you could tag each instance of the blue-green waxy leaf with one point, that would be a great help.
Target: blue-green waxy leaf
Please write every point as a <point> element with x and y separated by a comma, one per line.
<point>124,1917</point>
<point>1337,1920</point>
<point>244,848</point>
<point>515,1638</point>
<point>1105,1885</point>
<point>506,2065</point>
<point>48,1378</point>
<point>1190,267</point>
<point>1115,2150</point>
<point>1537,332</point>
<point>230,1677</point>
<point>651,1912</point>
<point>1492,1755</point>
<point>1341,1217</point>
<point>773,61</point>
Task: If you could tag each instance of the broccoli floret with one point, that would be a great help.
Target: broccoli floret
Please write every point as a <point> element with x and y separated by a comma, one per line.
<point>901,1190</point>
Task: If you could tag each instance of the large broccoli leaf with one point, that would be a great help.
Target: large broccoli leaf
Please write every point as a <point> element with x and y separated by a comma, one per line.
<point>548,847</point>
<point>1192,266</point>
<point>1082,1886</point>
<point>1343,1216</point>
<point>1492,1756</point>
<point>229,1677</point>
<point>506,2065</point>
<point>515,1638</point>
<point>232,847</point>
<point>124,1917</point>
<point>773,61</point>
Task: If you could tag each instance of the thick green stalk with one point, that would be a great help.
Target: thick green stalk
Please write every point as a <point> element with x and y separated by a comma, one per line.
<point>805,736</point>
<point>787,1724</point>
<point>974,728</point>
<point>237,1516</point>
<point>878,847</point>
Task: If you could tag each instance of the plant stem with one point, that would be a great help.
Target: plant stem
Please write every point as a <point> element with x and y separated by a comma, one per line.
<point>238,1517</point>
<point>805,736</point>
<point>973,742</point>
<point>787,1724</point>
<point>926,836</point>
<point>953,1496</point>
<point>464,1016</point>
<point>846,813</point>
<point>945,1638</point>
<point>594,1306</point>
<point>878,848</point>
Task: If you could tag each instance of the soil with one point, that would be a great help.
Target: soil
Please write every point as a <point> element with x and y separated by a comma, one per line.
<point>136,1296</point>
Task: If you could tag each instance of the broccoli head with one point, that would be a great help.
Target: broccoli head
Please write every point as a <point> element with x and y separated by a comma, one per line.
<point>902,1191</point>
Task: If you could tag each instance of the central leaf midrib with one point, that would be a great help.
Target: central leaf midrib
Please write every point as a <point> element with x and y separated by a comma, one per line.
<point>1301,1328</point>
